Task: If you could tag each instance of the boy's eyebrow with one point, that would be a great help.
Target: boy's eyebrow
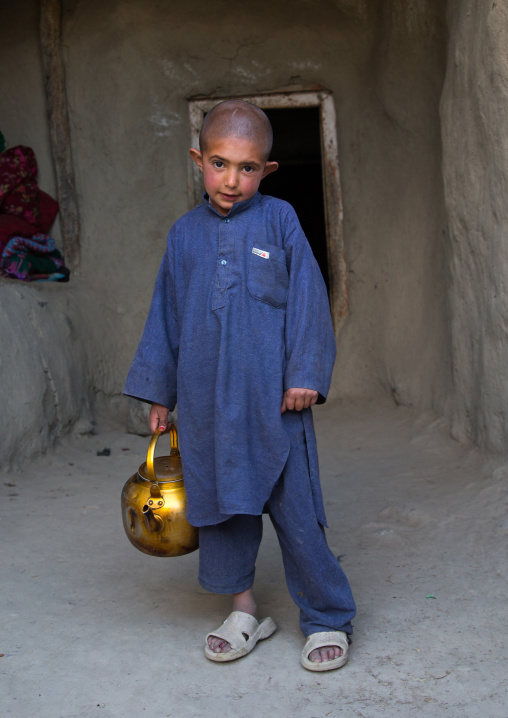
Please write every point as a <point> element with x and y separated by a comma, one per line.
<point>246,162</point>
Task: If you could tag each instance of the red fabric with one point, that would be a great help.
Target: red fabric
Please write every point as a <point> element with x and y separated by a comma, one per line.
<point>48,209</point>
<point>25,209</point>
<point>11,226</point>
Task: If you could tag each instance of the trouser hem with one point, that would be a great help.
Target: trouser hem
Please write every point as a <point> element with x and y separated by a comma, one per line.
<point>227,590</point>
<point>315,629</point>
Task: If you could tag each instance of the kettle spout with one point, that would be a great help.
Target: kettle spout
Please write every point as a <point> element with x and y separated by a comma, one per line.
<point>153,522</point>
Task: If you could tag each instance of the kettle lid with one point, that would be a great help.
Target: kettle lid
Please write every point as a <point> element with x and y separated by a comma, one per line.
<point>167,468</point>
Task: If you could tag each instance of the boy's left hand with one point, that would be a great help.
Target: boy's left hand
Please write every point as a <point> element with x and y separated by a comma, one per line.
<point>297,399</point>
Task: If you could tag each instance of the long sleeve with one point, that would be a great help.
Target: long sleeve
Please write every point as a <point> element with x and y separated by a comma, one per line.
<point>310,340</point>
<point>153,374</point>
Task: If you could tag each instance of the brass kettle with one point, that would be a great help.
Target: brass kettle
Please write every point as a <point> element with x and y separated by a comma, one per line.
<point>154,502</point>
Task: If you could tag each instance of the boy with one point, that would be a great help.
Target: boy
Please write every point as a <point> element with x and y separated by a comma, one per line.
<point>240,329</point>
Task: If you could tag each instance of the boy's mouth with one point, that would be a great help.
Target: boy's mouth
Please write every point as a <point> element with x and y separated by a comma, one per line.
<point>229,197</point>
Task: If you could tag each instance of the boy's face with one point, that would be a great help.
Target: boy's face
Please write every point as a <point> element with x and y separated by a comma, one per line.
<point>232,169</point>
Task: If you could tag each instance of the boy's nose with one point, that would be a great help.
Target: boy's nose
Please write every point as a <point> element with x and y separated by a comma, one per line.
<point>232,178</point>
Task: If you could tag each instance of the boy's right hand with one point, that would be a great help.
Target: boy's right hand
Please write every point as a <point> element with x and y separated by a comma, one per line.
<point>159,418</point>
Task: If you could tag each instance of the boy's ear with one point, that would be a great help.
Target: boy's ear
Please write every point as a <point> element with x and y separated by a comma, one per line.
<point>269,168</point>
<point>197,157</point>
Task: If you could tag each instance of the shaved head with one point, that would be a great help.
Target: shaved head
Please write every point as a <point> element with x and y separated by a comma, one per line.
<point>237,118</point>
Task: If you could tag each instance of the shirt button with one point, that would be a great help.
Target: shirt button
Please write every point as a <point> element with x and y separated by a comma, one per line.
<point>226,220</point>
<point>224,262</point>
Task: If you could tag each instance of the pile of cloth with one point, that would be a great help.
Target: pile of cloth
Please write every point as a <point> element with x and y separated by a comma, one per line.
<point>27,213</point>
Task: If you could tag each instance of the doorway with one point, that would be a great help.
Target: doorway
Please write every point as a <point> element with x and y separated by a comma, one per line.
<point>297,149</point>
<point>305,145</point>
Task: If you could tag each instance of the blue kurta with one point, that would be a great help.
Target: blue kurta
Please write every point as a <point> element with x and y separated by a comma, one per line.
<point>239,314</point>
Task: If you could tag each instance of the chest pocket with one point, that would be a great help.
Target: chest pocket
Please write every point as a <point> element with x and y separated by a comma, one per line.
<point>268,278</point>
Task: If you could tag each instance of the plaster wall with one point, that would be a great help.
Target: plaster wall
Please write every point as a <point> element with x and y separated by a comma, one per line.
<point>46,378</point>
<point>131,67</point>
<point>474,111</point>
<point>22,100</point>
<point>46,384</point>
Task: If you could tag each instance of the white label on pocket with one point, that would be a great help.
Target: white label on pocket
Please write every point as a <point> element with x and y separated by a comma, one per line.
<point>260,253</point>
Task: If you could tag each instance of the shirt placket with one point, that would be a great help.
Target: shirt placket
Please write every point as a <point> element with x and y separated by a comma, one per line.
<point>223,270</point>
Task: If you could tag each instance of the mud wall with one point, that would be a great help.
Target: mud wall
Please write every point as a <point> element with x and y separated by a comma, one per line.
<point>22,101</point>
<point>396,338</point>
<point>46,378</point>
<point>131,67</point>
<point>47,383</point>
<point>412,236</point>
<point>474,111</point>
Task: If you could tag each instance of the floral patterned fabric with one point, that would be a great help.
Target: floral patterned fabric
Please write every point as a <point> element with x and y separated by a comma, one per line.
<point>25,210</point>
<point>18,188</point>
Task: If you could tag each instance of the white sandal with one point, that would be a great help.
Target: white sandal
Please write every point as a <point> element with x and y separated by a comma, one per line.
<point>242,632</point>
<point>322,640</point>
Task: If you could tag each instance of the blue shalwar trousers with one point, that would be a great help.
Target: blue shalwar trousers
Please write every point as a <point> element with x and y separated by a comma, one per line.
<point>315,579</point>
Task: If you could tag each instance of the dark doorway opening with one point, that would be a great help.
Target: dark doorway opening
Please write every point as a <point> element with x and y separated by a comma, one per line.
<point>297,149</point>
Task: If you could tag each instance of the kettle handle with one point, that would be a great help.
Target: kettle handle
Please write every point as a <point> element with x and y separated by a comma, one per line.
<point>150,470</point>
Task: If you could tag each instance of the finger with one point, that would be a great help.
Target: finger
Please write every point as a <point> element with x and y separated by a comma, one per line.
<point>310,399</point>
<point>290,402</point>
<point>157,425</point>
<point>154,421</point>
<point>299,403</point>
<point>158,418</point>
<point>163,421</point>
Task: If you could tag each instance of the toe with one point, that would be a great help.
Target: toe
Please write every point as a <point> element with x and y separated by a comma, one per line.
<point>324,654</point>
<point>315,656</point>
<point>331,653</point>
<point>218,645</point>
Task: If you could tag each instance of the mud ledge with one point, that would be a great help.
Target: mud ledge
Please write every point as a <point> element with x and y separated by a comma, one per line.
<point>46,378</point>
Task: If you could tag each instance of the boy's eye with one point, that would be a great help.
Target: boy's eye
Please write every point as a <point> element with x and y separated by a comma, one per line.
<point>218,164</point>
<point>248,169</point>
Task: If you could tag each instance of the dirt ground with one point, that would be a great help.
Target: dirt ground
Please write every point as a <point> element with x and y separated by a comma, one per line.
<point>91,627</point>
